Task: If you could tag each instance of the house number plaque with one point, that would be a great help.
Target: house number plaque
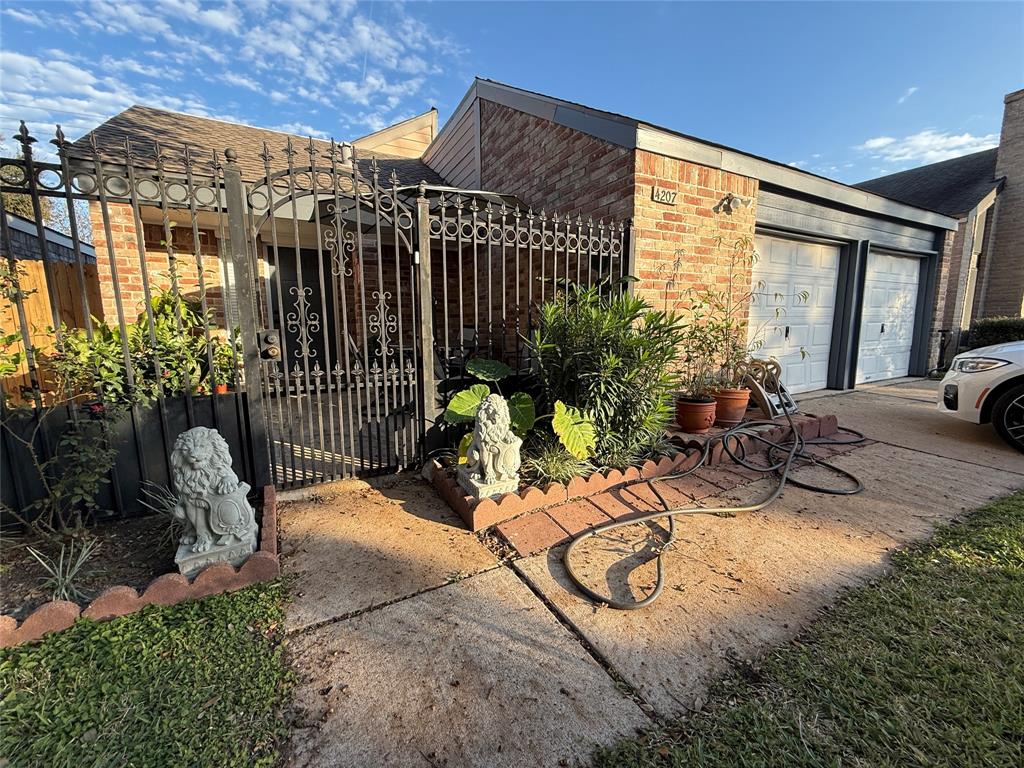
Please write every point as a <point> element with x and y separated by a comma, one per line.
<point>662,195</point>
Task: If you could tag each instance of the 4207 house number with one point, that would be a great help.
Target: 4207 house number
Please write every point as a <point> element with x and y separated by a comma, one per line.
<point>662,195</point>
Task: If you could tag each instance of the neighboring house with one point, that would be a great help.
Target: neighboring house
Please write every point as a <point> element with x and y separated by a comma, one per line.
<point>870,265</point>
<point>984,191</point>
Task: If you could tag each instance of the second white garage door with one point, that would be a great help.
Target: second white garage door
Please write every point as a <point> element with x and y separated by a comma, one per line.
<point>887,317</point>
<point>787,268</point>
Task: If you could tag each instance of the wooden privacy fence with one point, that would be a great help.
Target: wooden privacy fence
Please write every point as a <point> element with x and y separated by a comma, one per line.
<point>43,299</point>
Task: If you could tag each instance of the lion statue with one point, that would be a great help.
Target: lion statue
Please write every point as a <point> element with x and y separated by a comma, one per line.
<point>493,454</point>
<point>211,500</point>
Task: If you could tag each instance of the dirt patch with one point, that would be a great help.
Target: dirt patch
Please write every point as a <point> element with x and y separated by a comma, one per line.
<point>129,552</point>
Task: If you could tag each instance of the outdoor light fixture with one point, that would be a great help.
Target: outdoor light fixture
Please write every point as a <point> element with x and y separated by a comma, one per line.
<point>731,202</point>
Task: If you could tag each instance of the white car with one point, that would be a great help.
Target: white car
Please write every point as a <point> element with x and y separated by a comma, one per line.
<point>987,385</point>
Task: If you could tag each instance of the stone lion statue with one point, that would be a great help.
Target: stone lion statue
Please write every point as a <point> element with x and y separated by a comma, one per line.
<point>211,500</point>
<point>493,454</point>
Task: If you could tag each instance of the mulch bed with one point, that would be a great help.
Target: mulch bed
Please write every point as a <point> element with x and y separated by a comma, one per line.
<point>130,552</point>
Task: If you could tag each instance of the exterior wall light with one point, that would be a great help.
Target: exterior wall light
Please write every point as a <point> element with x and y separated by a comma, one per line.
<point>732,202</point>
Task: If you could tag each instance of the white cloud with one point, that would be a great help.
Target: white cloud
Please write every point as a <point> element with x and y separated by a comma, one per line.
<point>146,70</point>
<point>907,94</point>
<point>301,129</point>
<point>927,146</point>
<point>333,62</point>
<point>25,17</point>
<point>233,78</point>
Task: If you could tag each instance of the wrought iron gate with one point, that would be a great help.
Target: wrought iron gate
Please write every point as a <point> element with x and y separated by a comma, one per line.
<point>334,249</point>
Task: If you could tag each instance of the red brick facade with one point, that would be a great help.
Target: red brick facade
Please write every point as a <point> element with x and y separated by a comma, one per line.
<point>687,244</point>
<point>553,167</point>
<point>124,244</point>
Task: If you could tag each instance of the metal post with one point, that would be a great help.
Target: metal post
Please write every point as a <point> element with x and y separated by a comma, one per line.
<point>428,389</point>
<point>245,283</point>
<point>630,247</point>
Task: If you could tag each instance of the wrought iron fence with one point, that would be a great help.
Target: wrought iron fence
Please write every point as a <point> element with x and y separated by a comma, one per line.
<point>299,299</point>
<point>154,346</point>
<point>497,263</point>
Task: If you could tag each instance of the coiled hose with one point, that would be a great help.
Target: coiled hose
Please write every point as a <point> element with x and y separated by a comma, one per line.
<point>734,447</point>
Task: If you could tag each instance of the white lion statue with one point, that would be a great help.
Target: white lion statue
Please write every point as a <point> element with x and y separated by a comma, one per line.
<point>493,455</point>
<point>211,500</point>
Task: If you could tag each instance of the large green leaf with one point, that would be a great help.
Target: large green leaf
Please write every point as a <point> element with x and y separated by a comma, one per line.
<point>488,370</point>
<point>523,413</point>
<point>464,447</point>
<point>464,404</point>
<point>575,430</point>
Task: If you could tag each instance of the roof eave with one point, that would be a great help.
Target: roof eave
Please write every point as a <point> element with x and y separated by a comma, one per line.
<point>634,134</point>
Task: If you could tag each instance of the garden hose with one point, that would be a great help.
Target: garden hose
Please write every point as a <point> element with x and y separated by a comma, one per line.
<point>734,447</point>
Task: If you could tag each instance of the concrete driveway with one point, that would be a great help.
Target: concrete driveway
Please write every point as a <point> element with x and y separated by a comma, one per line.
<point>905,414</point>
<point>415,645</point>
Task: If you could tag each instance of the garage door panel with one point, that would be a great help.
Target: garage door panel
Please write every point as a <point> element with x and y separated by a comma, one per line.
<point>887,317</point>
<point>789,267</point>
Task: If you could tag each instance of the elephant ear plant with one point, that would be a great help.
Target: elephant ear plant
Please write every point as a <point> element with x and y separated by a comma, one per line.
<point>572,428</point>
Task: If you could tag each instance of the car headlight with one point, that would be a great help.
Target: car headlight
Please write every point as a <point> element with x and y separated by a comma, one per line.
<point>977,364</point>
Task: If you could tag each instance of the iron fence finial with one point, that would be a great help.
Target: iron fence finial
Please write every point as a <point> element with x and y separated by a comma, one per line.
<point>24,137</point>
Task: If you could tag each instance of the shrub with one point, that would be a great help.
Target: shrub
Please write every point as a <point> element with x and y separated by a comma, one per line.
<point>613,358</point>
<point>547,461</point>
<point>995,330</point>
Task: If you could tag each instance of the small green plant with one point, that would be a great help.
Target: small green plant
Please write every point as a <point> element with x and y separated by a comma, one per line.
<point>547,461</point>
<point>162,501</point>
<point>718,339</point>
<point>226,356</point>
<point>995,330</point>
<point>64,572</point>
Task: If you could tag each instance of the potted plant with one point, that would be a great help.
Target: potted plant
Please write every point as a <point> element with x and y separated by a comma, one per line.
<point>225,366</point>
<point>718,315</point>
<point>695,405</point>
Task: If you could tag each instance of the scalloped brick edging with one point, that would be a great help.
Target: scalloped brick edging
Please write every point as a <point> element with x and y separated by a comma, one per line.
<point>169,589</point>
<point>487,512</point>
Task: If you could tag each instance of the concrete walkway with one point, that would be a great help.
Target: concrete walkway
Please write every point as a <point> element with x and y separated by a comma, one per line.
<point>415,646</point>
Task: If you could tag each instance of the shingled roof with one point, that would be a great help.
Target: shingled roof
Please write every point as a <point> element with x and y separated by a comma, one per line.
<point>147,126</point>
<point>952,187</point>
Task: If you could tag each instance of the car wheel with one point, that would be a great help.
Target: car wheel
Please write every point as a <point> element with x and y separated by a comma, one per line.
<point>1008,416</point>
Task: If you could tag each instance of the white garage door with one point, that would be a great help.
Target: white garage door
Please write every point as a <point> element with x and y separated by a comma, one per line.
<point>796,332</point>
<point>887,317</point>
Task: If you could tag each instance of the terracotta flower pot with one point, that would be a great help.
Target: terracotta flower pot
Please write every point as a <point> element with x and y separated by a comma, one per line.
<point>220,389</point>
<point>732,406</point>
<point>695,416</point>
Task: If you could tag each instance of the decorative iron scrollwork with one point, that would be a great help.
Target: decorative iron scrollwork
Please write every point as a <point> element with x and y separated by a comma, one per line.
<point>383,323</point>
<point>303,322</point>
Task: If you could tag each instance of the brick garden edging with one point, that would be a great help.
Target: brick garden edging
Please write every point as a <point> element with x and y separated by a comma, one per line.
<point>487,512</point>
<point>168,589</point>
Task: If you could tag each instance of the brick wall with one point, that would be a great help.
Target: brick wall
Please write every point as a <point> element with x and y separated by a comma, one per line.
<point>688,243</point>
<point>124,244</point>
<point>952,274</point>
<point>945,295</point>
<point>1005,283</point>
<point>553,167</point>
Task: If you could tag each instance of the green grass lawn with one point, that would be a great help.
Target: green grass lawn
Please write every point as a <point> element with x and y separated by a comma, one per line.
<point>923,668</point>
<point>196,684</point>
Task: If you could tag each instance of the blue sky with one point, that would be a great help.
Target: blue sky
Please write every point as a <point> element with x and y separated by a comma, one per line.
<point>850,91</point>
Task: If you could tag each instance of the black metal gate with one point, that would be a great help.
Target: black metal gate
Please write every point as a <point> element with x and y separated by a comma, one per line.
<point>334,248</point>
